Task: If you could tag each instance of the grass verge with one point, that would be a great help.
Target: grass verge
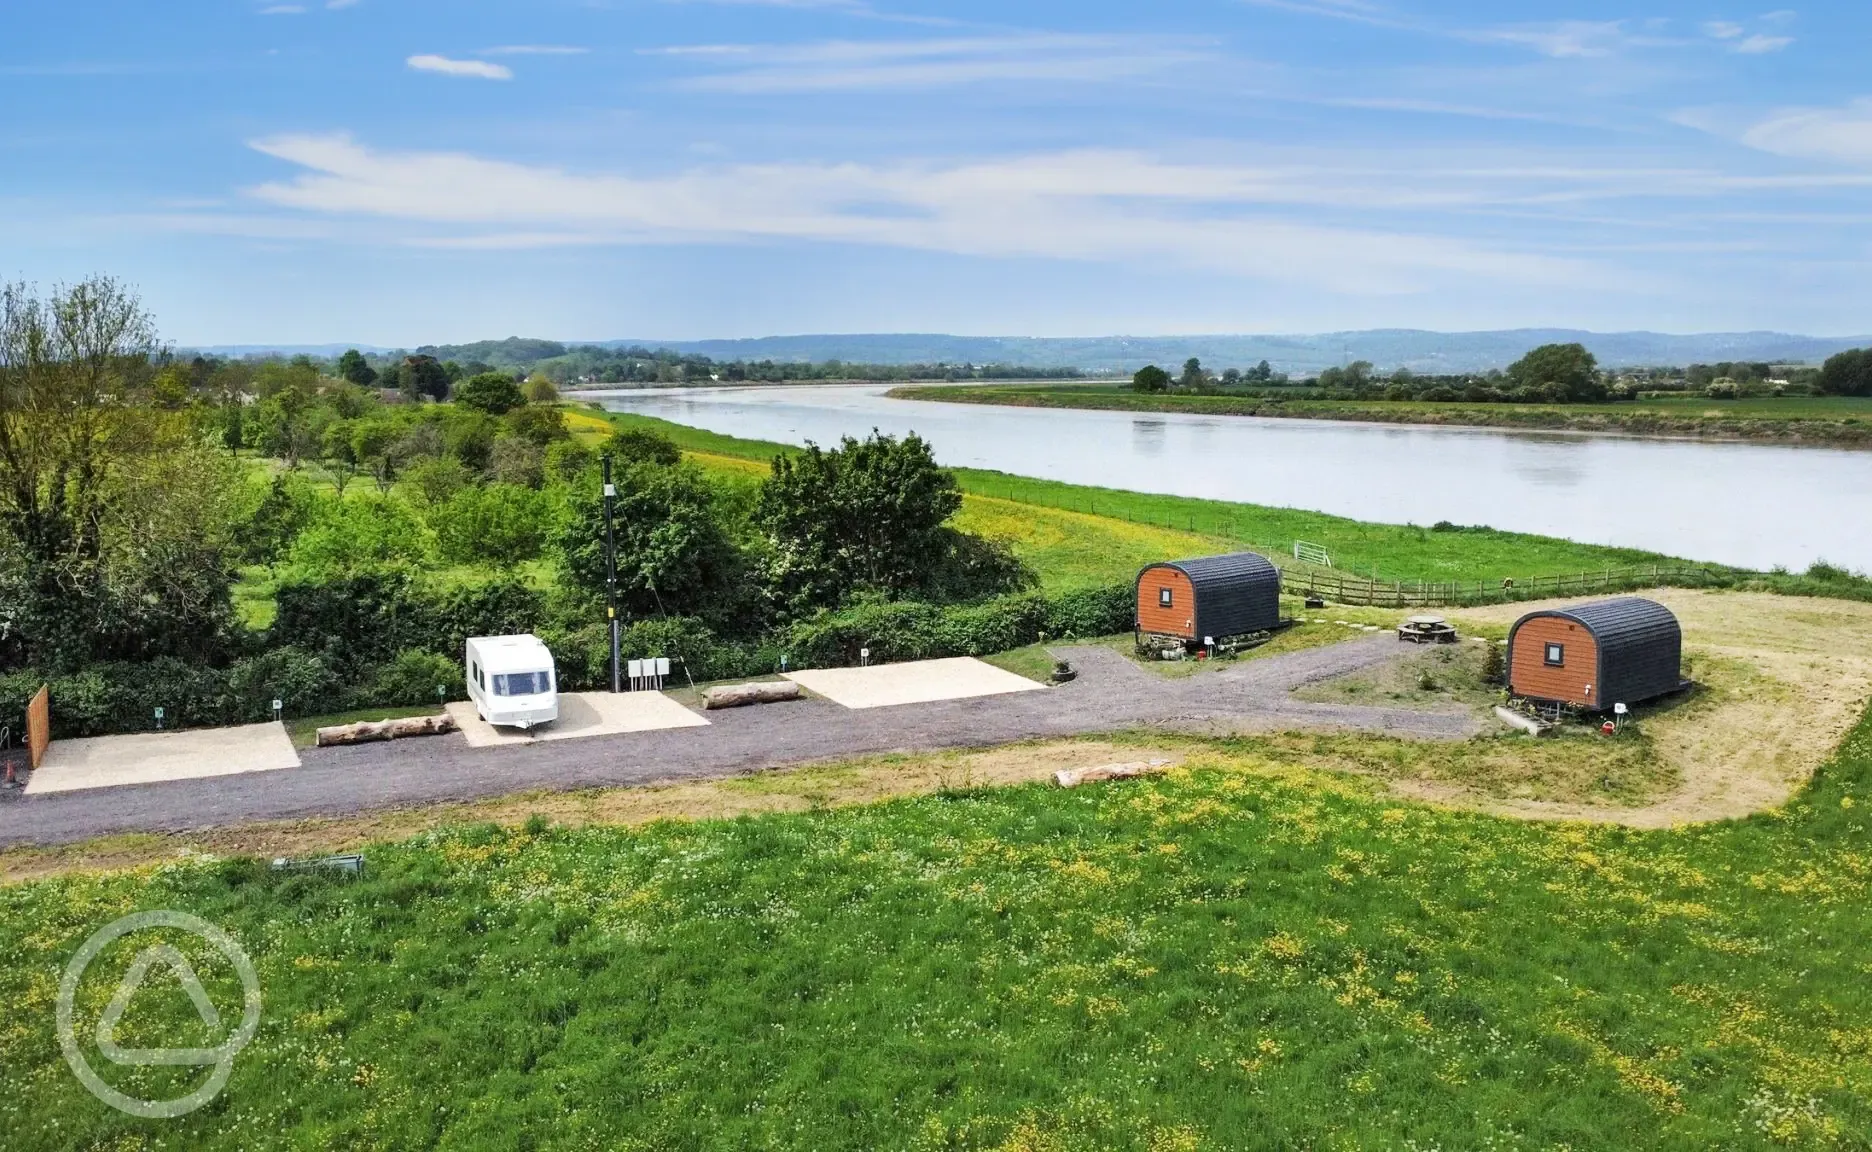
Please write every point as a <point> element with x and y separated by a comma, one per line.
<point>1242,946</point>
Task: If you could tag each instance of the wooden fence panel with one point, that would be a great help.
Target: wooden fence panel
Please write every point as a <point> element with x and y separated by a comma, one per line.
<point>38,726</point>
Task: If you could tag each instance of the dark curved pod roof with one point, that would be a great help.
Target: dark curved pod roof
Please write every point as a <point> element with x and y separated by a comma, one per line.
<point>1640,646</point>
<point>1236,593</point>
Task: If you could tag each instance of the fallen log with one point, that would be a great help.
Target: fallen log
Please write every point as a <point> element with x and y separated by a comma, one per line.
<point>1073,777</point>
<point>369,730</point>
<point>741,695</point>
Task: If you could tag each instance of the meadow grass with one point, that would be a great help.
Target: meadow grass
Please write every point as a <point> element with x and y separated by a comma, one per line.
<point>1243,952</point>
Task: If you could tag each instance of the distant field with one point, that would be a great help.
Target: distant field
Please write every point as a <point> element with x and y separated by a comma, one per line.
<point>1840,420</point>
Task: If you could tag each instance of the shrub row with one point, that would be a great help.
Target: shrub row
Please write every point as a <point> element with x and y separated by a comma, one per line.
<point>385,641</point>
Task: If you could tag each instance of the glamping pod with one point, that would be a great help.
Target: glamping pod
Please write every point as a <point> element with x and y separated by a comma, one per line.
<point>1593,656</point>
<point>512,680</point>
<point>1209,599</point>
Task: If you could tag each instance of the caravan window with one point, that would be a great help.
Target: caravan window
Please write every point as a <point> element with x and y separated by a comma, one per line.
<point>522,683</point>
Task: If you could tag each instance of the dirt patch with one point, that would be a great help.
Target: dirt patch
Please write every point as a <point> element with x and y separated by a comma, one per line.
<point>840,784</point>
<point>1784,679</point>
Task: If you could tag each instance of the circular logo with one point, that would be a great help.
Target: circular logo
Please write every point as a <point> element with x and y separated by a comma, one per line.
<point>221,1056</point>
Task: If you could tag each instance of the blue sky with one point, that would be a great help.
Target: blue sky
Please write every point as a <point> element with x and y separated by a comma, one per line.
<point>406,171</point>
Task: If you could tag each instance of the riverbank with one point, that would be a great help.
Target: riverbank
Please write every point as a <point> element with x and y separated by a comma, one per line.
<point>1830,422</point>
<point>1081,535</point>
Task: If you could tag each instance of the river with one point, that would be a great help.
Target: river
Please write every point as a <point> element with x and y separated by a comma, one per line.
<point>1752,505</point>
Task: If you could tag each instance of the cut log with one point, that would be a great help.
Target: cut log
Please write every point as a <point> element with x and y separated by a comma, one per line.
<point>1073,777</point>
<point>369,730</point>
<point>741,695</point>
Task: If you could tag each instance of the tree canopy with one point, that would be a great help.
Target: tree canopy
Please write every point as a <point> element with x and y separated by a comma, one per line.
<point>867,515</point>
<point>1561,373</point>
<point>495,393</point>
<point>1847,374</point>
<point>1151,378</point>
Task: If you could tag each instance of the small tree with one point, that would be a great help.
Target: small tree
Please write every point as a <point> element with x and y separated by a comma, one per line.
<point>539,390</point>
<point>339,453</point>
<point>492,392</point>
<point>642,446</point>
<point>374,443</point>
<point>1193,378</point>
<point>352,367</point>
<point>1150,378</point>
<point>500,524</point>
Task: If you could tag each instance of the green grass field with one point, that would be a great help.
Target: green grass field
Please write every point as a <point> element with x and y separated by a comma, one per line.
<point>1242,953</point>
<point>1841,420</point>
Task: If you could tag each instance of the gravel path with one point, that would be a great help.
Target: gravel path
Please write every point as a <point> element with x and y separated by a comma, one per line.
<point>1111,693</point>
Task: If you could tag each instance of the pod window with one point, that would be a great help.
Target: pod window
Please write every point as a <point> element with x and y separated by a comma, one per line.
<point>1556,655</point>
<point>1164,597</point>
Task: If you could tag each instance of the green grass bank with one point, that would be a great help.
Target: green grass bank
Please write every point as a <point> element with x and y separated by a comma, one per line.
<point>1836,421</point>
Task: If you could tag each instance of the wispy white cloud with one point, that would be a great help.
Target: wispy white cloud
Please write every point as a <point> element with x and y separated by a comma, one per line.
<point>534,50</point>
<point>1758,44</point>
<point>1562,39</point>
<point>1723,29</point>
<point>1841,135</point>
<point>1088,205</point>
<point>283,10</point>
<point>845,65</point>
<point>478,69</point>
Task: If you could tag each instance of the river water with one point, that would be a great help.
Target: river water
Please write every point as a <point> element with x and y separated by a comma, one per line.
<point>1752,505</point>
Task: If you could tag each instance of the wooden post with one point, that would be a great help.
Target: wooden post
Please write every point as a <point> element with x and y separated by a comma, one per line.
<point>38,726</point>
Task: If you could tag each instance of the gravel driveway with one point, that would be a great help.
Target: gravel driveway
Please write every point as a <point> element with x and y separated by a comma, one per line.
<point>1111,693</point>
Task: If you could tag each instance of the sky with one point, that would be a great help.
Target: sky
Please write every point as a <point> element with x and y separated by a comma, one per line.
<point>399,172</point>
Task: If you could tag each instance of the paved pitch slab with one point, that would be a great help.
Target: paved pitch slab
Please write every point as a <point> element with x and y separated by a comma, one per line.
<point>582,714</point>
<point>917,682</point>
<point>152,757</point>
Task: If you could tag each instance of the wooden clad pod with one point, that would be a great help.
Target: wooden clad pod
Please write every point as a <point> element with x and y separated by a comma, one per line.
<point>1209,598</point>
<point>1621,651</point>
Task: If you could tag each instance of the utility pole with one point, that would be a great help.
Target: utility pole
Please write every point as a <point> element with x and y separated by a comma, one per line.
<point>610,498</point>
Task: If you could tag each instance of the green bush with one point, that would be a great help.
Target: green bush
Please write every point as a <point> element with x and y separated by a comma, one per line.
<point>364,535</point>
<point>410,679</point>
<point>502,524</point>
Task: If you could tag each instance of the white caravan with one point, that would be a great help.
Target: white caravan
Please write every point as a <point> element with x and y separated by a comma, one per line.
<point>512,681</point>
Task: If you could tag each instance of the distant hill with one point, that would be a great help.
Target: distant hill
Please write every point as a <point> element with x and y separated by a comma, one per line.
<point>1386,348</point>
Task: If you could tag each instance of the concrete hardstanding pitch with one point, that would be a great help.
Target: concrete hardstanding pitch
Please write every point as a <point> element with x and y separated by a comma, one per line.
<point>150,757</point>
<point>582,714</point>
<point>917,682</point>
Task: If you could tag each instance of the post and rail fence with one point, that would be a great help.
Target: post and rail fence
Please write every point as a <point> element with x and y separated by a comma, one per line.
<point>1351,590</point>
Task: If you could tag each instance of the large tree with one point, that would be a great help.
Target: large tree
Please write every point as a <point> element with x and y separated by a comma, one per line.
<point>422,376</point>
<point>867,515</point>
<point>113,517</point>
<point>1151,378</point>
<point>1562,373</point>
<point>674,556</point>
<point>1847,374</point>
